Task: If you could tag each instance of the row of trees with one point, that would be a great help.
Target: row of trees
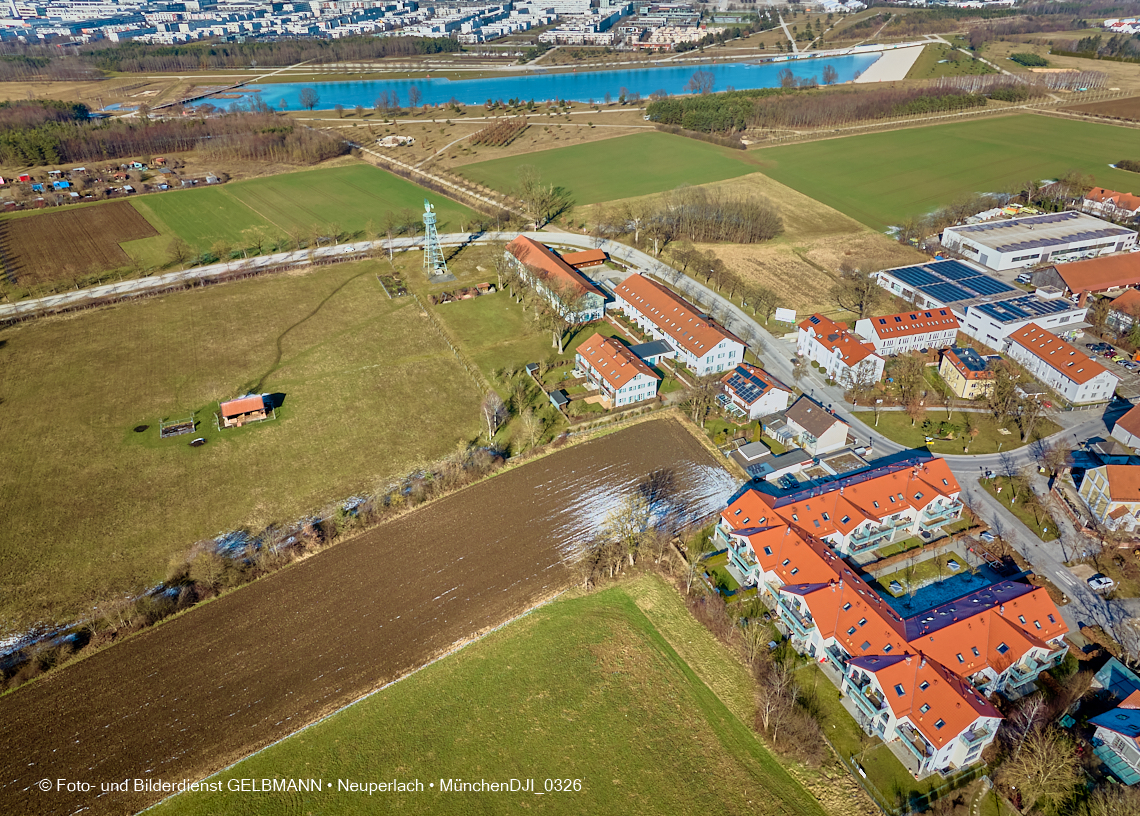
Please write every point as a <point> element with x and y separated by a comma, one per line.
<point>501,133</point>
<point>693,214</point>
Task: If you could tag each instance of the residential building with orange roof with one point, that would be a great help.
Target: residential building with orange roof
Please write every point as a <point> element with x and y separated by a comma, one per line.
<point>570,292</point>
<point>1061,366</point>
<point>1111,204</point>
<point>584,258</point>
<point>846,360</point>
<point>1093,276</point>
<point>702,344</point>
<point>918,678</point>
<point>616,372</point>
<point>1112,493</point>
<point>908,331</point>
<point>1124,310</point>
<point>966,372</point>
<point>857,512</point>
<point>753,392</point>
<point>1126,430</point>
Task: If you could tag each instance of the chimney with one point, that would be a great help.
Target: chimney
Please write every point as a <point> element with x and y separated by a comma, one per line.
<point>908,660</point>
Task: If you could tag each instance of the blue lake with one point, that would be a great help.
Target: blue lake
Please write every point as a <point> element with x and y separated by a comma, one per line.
<point>575,86</point>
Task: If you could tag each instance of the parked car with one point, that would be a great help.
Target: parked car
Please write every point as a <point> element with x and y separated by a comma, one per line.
<point>1025,277</point>
<point>1101,583</point>
<point>986,536</point>
<point>1047,404</point>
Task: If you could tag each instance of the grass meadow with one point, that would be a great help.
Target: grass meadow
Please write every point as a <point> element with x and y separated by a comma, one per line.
<point>93,509</point>
<point>882,178</point>
<point>586,688</point>
<point>625,167</point>
<point>354,197</point>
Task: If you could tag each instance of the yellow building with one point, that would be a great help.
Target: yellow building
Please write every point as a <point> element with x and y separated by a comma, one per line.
<point>1112,493</point>
<point>966,372</point>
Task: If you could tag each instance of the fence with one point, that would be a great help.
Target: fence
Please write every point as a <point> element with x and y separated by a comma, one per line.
<point>471,369</point>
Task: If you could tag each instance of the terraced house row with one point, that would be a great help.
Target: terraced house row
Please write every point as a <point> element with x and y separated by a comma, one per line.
<point>920,680</point>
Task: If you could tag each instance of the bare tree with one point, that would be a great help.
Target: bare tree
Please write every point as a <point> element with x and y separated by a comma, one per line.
<point>537,198</point>
<point>414,96</point>
<point>695,547</point>
<point>776,698</point>
<point>856,291</point>
<point>1115,801</point>
<point>309,98</point>
<point>339,108</point>
<point>1047,770</point>
<point>494,413</point>
<point>359,110</point>
<point>701,82</point>
<point>178,251</point>
<point>628,524</point>
<point>1028,415</point>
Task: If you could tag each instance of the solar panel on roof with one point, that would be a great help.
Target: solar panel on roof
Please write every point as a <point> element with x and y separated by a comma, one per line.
<point>947,292</point>
<point>986,286</point>
<point>915,276</point>
<point>955,270</point>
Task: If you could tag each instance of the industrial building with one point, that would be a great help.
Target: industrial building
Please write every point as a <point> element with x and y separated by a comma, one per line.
<point>1036,239</point>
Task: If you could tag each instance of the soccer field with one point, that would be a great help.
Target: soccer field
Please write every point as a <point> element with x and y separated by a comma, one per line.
<point>352,197</point>
<point>624,167</point>
<point>883,178</point>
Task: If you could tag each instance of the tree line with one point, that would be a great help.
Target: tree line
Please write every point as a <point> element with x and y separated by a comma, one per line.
<point>46,132</point>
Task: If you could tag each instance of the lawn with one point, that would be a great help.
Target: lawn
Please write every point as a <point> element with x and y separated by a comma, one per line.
<point>927,570</point>
<point>1031,514</point>
<point>624,167</point>
<point>94,509</point>
<point>896,425</point>
<point>585,689</point>
<point>881,179</point>
<point>939,60</point>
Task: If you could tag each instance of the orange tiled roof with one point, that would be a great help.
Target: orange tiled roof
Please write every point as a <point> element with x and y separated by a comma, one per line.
<point>244,405</point>
<point>1127,302</point>
<point>1123,482</point>
<point>1131,421</point>
<point>1099,274</point>
<point>674,315</point>
<point>587,257</point>
<point>532,253</point>
<point>613,361</point>
<point>834,336</point>
<point>1061,355</point>
<point>905,324</point>
<point>1122,201</point>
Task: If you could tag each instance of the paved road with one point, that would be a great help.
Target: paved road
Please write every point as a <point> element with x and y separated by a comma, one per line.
<point>777,355</point>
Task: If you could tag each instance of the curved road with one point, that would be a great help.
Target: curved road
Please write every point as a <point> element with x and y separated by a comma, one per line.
<point>777,354</point>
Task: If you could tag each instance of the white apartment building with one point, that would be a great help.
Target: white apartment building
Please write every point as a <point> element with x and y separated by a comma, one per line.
<point>1061,366</point>
<point>909,331</point>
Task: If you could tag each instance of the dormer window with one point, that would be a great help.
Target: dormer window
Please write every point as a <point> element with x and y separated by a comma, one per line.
<point>899,690</point>
<point>938,725</point>
<point>887,648</point>
<point>862,621</point>
<point>767,551</point>
<point>923,686</point>
<point>851,631</point>
<point>846,606</point>
<point>917,496</point>
<point>1002,648</point>
<point>924,707</point>
<point>845,519</point>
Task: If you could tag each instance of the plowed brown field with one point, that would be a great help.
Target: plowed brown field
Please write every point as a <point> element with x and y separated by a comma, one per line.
<point>197,693</point>
<point>1127,108</point>
<point>71,242</point>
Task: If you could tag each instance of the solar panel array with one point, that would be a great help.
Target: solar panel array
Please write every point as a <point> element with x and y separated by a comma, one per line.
<point>1020,308</point>
<point>747,385</point>
<point>949,281</point>
<point>1087,235</point>
<point>1055,218</point>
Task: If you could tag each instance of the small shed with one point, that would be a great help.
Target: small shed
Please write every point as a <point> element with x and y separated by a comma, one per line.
<point>559,399</point>
<point>55,174</point>
<point>160,161</point>
<point>38,187</point>
<point>238,412</point>
<point>60,185</point>
<point>25,177</point>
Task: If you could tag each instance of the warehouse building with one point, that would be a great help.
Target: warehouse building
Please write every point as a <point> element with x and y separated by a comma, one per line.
<point>1036,239</point>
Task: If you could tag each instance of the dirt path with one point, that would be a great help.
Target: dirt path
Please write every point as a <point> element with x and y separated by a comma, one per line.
<point>207,688</point>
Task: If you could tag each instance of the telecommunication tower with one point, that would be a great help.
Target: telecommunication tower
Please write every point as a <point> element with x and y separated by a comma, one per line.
<point>434,263</point>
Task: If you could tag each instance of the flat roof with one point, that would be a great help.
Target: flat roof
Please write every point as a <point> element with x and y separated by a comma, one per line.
<point>652,349</point>
<point>1039,231</point>
<point>950,281</point>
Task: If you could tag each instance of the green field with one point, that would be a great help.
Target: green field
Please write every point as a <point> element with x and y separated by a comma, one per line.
<point>353,197</point>
<point>882,178</point>
<point>93,509</point>
<point>939,60</point>
<point>585,689</point>
<point>625,167</point>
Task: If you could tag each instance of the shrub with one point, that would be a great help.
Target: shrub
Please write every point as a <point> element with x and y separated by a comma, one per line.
<point>1131,165</point>
<point>1029,60</point>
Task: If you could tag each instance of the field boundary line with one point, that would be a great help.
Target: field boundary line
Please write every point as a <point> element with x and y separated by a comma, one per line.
<point>258,212</point>
<point>455,649</point>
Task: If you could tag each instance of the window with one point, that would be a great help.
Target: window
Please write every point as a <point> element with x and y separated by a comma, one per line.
<point>923,686</point>
<point>874,503</point>
<point>745,519</point>
<point>1021,618</point>
<point>917,496</point>
<point>960,658</point>
<point>794,571</point>
<point>845,519</point>
<point>795,517</point>
<point>866,645</point>
<point>1037,623</point>
<point>767,551</point>
<point>974,649</point>
<point>1002,648</point>
<point>1052,619</point>
<point>862,621</point>
<point>892,498</point>
<point>938,725</point>
<point>786,562</point>
<point>924,707</point>
<point>851,631</point>
<point>846,606</point>
<point>826,517</point>
<point>815,522</point>
<point>899,690</point>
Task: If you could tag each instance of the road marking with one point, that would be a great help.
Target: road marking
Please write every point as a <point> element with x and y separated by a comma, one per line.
<point>1066,578</point>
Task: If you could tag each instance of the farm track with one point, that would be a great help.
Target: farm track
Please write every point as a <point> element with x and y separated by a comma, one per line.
<point>188,698</point>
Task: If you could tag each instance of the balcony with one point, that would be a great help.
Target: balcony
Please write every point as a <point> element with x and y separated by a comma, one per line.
<point>1025,672</point>
<point>873,536</point>
<point>914,742</point>
<point>975,736</point>
<point>869,701</point>
<point>801,624</point>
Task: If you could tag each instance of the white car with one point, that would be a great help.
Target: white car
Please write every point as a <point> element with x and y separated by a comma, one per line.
<point>1101,583</point>
<point>986,536</point>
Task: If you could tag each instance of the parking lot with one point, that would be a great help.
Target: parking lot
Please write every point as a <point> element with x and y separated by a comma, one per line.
<point>1128,371</point>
